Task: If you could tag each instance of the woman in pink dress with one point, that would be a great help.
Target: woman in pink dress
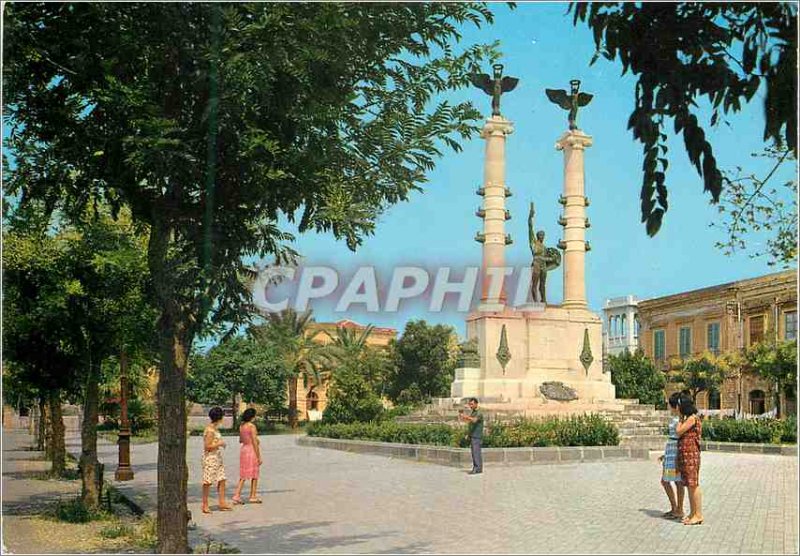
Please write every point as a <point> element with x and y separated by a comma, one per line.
<point>249,457</point>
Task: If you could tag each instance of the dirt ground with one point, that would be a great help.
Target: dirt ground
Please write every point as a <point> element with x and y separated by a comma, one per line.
<point>30,498</point>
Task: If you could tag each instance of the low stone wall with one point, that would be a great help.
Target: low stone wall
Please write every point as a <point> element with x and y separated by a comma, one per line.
<point>748,448</point>
<point>460,457</point>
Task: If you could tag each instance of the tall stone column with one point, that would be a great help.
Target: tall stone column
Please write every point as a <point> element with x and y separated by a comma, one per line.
<point>574,220</point>
<point>493,212</point>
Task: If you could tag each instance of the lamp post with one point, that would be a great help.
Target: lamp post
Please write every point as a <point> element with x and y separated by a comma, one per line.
<point>124,470</point>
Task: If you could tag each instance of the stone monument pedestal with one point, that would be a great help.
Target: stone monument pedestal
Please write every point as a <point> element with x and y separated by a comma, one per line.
<point>554,345</point>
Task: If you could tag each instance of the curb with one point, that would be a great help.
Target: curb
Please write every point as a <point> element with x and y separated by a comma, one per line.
<point>141,505</point>
<point>749,448</point>
<point>460,457</point>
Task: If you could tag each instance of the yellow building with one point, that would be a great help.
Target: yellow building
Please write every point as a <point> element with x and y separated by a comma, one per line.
<point>723,319</point>
<point>311,398</point>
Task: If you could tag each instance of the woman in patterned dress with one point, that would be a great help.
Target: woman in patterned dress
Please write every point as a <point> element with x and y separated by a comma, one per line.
<point>690,430</point>
<point>669,472</point>
<point>249,457</point>
<point>213,465</point>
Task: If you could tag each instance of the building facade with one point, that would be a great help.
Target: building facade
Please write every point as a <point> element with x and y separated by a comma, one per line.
<point>313,398</point>
<point>724,319</point>
<point>620,325</point>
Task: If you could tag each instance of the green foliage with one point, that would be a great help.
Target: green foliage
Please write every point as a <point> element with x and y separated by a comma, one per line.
<point>75,295</point>
<point>573,430</point>
<point>74,510</point>
<point>775,361</point>
<point>297,353</point>
<point>789,434</point>
<point>289,333</point>
<point>759,431</point>
<point>41,301</point>
<point>635,377</point>
<point>749,205</point>
<point>584,430</point>
<point>411,395</point>
<point>687,52</point>
<point>238,366</point>
<point>397,411</point>
<point>352,351</point>
<point>360,375</point>
<point>704,372</point>
<point>437,435</point>
<point>213,121</point>
<point>141,415</point>
<point>350,398</point>
<point>425,359</point>
<point>211,142</point>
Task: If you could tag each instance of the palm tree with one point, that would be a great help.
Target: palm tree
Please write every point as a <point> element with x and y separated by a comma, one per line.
<point>289,332</point>
<point>354,352</point>
<point>350,342</point>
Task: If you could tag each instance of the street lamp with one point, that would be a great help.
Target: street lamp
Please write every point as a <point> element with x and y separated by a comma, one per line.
<point>124,471</point>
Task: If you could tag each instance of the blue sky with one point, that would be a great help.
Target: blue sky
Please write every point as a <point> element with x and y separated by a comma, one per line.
<point>542,48</point>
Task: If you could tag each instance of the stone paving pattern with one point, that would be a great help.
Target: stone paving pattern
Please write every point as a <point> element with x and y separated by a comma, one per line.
<point>319,500</point>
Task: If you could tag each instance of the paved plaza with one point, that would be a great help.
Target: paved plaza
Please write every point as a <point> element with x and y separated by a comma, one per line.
<point>318,500</point>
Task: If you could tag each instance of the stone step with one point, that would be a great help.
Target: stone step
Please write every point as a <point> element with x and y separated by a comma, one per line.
<point>652,442</point>
<point>640,432</point>
<point>647,423</point>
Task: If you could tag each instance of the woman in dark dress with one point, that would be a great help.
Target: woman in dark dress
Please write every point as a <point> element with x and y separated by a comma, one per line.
<point>690,430</point>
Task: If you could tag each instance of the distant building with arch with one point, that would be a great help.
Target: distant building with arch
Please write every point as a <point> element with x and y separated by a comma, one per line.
<point>620,325</point>
<point>313,398</point>
<point>722,319</point>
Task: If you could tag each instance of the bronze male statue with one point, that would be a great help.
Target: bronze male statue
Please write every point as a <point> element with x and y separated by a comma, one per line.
<point>544,259</point>
<point>494,86</point>
<point>571,101</point>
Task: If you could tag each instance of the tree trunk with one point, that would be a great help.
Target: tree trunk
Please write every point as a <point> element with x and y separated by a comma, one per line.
<point>58,450</point>
<point>90,489</point>
<point>174,343</point>
<point>172,468</point>
<point>293,402</point>
<point>41,425</point>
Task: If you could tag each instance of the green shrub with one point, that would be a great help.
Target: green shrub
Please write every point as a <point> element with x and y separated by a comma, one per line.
<point>350,399</point>
<point>141,415</point>
<point>74,511</point>
<point>396,411</point>
<point>758,431</point>
<point>573,430</point>
<point>635,376</point>
<point>790,430</point>
<point>584,430</point>
<point>403,433</point>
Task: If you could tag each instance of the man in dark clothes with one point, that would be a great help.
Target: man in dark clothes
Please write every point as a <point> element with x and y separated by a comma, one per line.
<point>474,434</point>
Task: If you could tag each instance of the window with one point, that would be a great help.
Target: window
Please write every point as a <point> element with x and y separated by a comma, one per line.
<point>685,342</point>
<point>636,326</point>
<point>624,327</point>
<point>756,329</point>
<point>712,335</point>
<point>659,345</point>
<point>790,325</point>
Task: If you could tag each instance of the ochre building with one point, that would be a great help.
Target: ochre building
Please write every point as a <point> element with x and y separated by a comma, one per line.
<point>311,398</point>
<point>724,318</point>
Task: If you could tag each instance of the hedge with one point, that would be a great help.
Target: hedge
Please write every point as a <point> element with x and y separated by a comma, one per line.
<point>760,431</point>
<point>584,430</point>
